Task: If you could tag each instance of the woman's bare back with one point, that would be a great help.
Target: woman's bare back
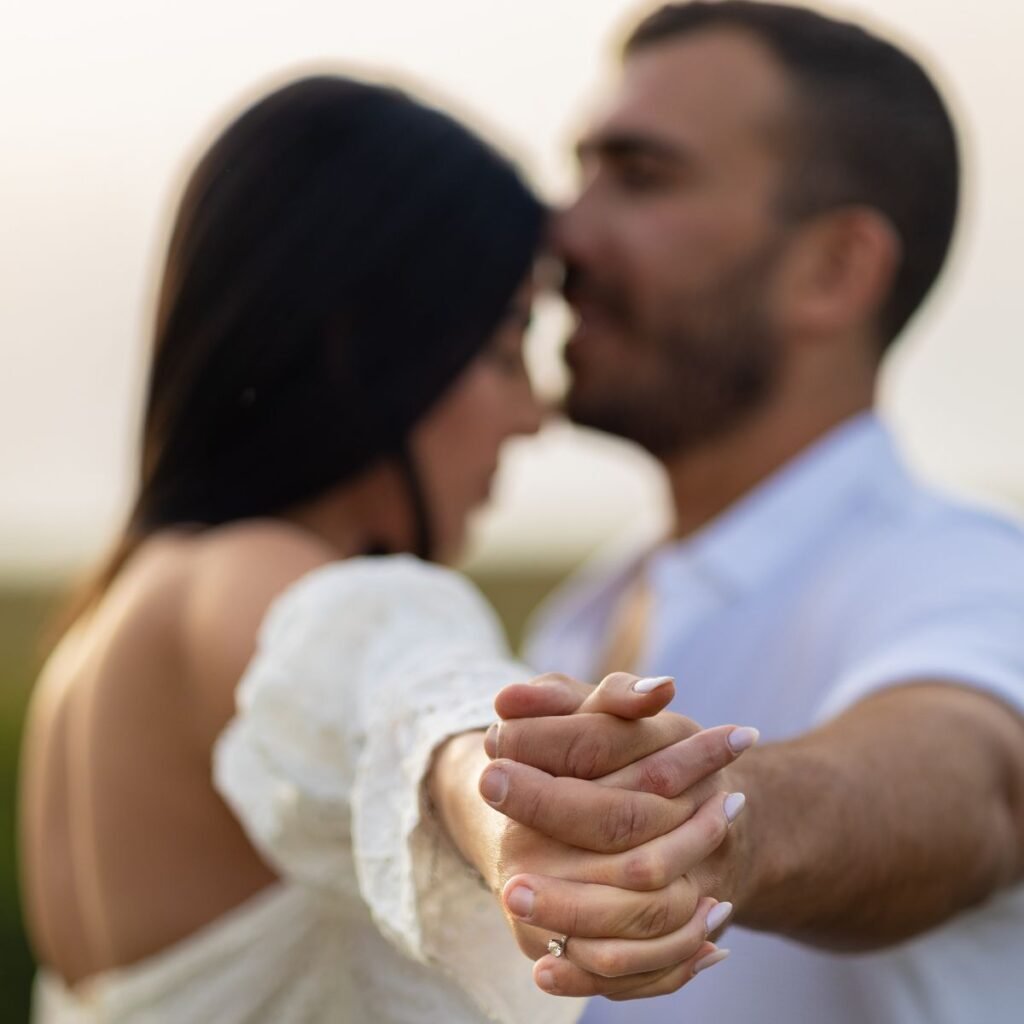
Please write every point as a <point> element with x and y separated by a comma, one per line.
<point>126,847</point>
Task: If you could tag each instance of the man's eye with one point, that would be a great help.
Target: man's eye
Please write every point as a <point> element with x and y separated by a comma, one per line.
<point>641,177</point>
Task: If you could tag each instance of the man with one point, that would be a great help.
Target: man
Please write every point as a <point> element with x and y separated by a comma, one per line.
<point>765,205</point>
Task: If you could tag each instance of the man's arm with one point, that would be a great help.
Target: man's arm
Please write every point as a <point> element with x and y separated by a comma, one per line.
<point>882,823</point>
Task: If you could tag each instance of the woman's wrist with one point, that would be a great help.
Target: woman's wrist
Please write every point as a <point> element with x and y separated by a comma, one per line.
<point>452,785</point>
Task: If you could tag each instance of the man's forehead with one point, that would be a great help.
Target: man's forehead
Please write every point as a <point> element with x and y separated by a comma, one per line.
<point>694,89</point>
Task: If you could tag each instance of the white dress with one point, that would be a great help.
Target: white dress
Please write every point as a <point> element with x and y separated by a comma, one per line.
<point>362,669</point>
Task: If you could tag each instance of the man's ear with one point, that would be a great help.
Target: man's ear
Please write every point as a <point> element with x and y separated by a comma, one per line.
<point>839,272</point>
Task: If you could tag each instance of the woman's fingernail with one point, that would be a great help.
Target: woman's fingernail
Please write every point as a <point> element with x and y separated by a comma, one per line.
<point>491,741</point>
<point>710,960</point>
<point>546,981</point>
<point>520,901</point>
<point>494,785</point>
<point>651,683</point>
<point>717,916</point>
<point>733,805</point>
<point>742,738</point>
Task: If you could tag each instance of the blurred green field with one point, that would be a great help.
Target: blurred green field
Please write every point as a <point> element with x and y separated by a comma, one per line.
<point>24,614</point>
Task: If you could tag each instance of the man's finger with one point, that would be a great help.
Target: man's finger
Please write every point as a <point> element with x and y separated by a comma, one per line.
<point>588,910</point>
<point>585,746</point>
<point>576,812</point>
<point>673,770</point>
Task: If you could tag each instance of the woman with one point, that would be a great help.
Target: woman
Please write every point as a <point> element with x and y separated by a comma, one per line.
<point>337,361</point>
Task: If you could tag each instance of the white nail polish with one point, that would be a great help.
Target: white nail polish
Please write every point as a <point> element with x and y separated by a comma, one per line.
<point>710,960</point>
<point>733,805</point>
<point>742,738</point>
<point>650,683</point>
<point>717,916</point>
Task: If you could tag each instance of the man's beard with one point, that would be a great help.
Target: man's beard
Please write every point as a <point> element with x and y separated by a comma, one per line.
<point>703,364</point>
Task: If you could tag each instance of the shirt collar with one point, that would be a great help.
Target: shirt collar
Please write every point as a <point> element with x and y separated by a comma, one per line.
<point>769,527</point>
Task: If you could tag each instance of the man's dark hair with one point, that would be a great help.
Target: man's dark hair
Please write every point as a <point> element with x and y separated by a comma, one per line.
<point>868,128</point>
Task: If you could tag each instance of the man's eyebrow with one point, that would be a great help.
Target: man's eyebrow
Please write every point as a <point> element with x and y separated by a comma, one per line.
<point>622,145</point>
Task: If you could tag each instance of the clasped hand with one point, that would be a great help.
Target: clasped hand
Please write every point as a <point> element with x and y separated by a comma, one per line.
<point>616,833</point>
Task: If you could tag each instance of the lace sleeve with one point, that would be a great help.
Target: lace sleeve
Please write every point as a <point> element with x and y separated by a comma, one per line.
<point>363,668</point>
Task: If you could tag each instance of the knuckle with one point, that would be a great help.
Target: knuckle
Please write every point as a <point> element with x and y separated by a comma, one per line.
<point>573,920</point>
<point>617,678</point>
<point>653,919</point>
<point>607,961</point>
<point>658,775</point>
<point>585,754</point>
<point>554,679</point>
<point>635,870</point>
<point>644,870</point>
<point>621,823</point>
<point>529,806</point>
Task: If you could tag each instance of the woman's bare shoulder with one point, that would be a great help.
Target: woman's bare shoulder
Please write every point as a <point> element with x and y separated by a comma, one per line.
<point>235,573</point>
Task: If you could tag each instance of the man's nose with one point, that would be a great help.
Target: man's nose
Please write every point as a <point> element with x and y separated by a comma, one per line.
<point>568,231</point>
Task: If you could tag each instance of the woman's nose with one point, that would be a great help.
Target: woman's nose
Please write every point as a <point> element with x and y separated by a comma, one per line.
<point>530,413</point>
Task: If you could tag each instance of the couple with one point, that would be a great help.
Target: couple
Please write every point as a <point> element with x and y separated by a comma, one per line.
<point>258,785</point>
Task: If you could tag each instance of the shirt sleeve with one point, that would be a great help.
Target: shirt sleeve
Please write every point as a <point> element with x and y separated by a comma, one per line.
<point>953,614</point>
<point>362,669</point>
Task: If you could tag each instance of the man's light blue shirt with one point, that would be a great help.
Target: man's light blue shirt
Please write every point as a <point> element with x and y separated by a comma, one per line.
<point>838,576</point>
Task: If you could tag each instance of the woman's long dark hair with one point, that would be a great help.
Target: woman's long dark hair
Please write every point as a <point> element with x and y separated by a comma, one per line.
<point>340,254</point>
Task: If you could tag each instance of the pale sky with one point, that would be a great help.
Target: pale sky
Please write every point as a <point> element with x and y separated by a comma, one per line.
<point>104,104</point>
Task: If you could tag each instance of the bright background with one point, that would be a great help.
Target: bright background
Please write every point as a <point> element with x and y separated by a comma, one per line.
<point>105,104</point>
